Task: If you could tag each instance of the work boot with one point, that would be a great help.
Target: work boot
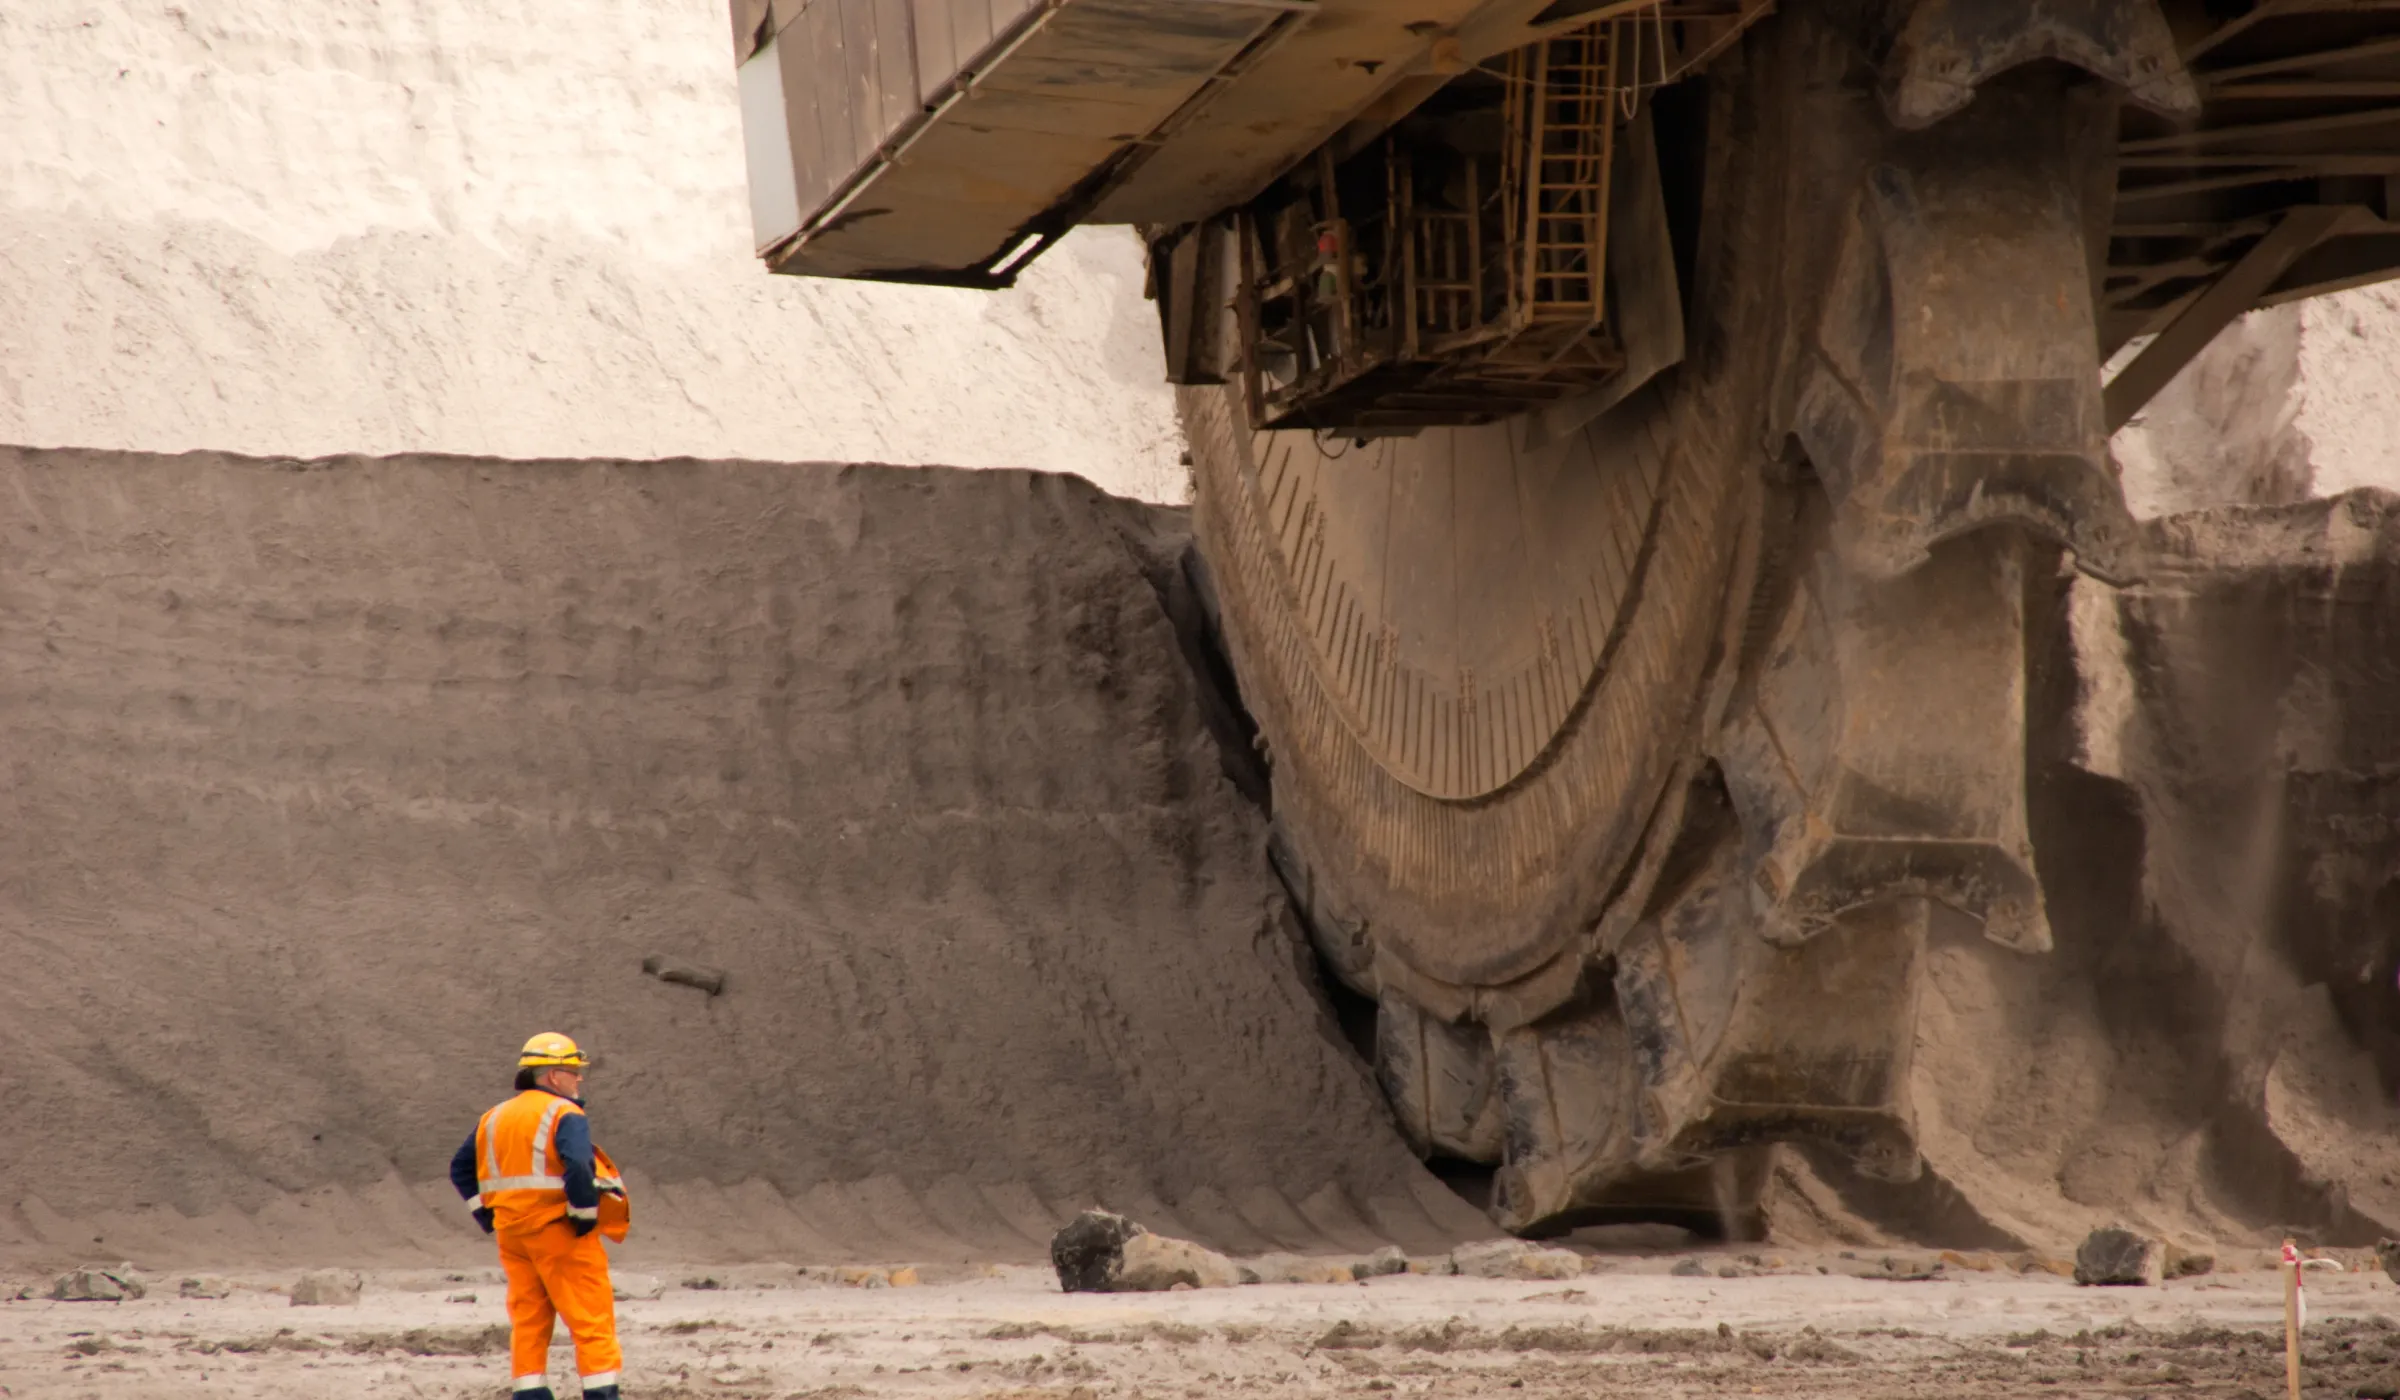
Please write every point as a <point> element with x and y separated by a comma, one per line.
<point>600,1392</point>
<point>539,1392</point>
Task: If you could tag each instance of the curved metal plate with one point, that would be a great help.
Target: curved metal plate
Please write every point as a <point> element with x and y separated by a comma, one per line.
<point>1459,590</point>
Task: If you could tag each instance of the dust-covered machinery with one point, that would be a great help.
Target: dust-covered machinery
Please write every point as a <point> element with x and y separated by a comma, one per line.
<point>1626,438</point>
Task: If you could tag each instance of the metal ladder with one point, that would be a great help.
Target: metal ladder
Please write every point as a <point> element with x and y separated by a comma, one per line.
<point>1562,98</point>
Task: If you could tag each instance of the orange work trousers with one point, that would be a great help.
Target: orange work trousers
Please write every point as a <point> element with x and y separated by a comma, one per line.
<point>554,1273</point>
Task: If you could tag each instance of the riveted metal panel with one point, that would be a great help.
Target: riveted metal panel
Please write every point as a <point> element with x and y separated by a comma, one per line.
<point>936,43</point>
<point>802,69</point>
<point>896,62</point>
<point>972,28</point>
<point>863,76</point>
<point>827,91</point>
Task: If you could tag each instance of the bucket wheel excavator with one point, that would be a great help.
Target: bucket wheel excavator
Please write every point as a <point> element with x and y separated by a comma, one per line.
<point>1625,434</point>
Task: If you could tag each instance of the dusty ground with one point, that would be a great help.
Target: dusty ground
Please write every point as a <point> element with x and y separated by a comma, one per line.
<point>1631,1328</point>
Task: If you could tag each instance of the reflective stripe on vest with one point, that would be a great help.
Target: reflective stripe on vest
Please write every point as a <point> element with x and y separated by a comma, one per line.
<point>541,1139</point>
<point>522,1183</point>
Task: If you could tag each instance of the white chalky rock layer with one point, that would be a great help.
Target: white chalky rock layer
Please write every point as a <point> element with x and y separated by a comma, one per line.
<point>495,228</point>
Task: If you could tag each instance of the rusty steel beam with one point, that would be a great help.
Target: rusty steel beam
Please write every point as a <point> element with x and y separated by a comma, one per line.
<point>2234,292</point>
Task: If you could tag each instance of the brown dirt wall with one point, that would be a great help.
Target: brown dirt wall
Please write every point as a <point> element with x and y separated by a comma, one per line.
<point>324,783</point>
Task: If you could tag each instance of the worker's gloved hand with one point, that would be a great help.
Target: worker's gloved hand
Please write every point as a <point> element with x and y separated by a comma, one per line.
<point>483,1217</point>
<point>582,1226</point>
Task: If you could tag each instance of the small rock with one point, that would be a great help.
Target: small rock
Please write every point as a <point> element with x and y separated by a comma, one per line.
<point>1548,1264</point>
<point>2115,1257</point>
<point>2189,1263</point>
<point>628,1287</point>
<point>1515,1259</point>
<point>905,1276</point>
<point>1689,1268</point>
<point>665,969</point>
<point>460,1298</point>
<point>1151,1263</point>
<point>2387,1253</point>
<point>326,1288</point>
<point>1296,1268</point>
<point>205,1286</point>
<point>862,1278</point>
<point>1383,1263</point>
<point>1487,1258</point>
<point>93,1284</point>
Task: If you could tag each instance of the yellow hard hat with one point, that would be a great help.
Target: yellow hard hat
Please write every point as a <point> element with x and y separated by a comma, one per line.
<point>551,1048</point>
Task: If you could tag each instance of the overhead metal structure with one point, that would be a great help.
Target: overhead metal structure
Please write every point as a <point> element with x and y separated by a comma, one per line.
<point>1632,441</point>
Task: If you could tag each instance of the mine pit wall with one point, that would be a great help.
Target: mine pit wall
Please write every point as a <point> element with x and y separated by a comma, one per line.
<point>2264,753</point>
<point>325,783</point>
<point>2215,802</point>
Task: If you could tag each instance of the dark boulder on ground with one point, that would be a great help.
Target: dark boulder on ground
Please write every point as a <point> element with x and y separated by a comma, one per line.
<point>2111,1256</point>
<point>1089,1250</point>
<point>93,1284</point>
<point>1098,1252</point>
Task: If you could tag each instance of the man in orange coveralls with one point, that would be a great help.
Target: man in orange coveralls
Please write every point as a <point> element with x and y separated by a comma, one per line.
<point>538,1183</point>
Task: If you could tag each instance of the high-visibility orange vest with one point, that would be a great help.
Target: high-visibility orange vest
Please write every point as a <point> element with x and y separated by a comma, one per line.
<point>520,1176</point>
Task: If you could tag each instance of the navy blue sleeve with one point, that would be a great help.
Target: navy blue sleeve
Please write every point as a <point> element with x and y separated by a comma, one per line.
<point>462,1168</point>
<point>575,1150</point>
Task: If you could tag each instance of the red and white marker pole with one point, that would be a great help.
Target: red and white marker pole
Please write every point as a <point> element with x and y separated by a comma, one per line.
<point>2295,1315</point>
